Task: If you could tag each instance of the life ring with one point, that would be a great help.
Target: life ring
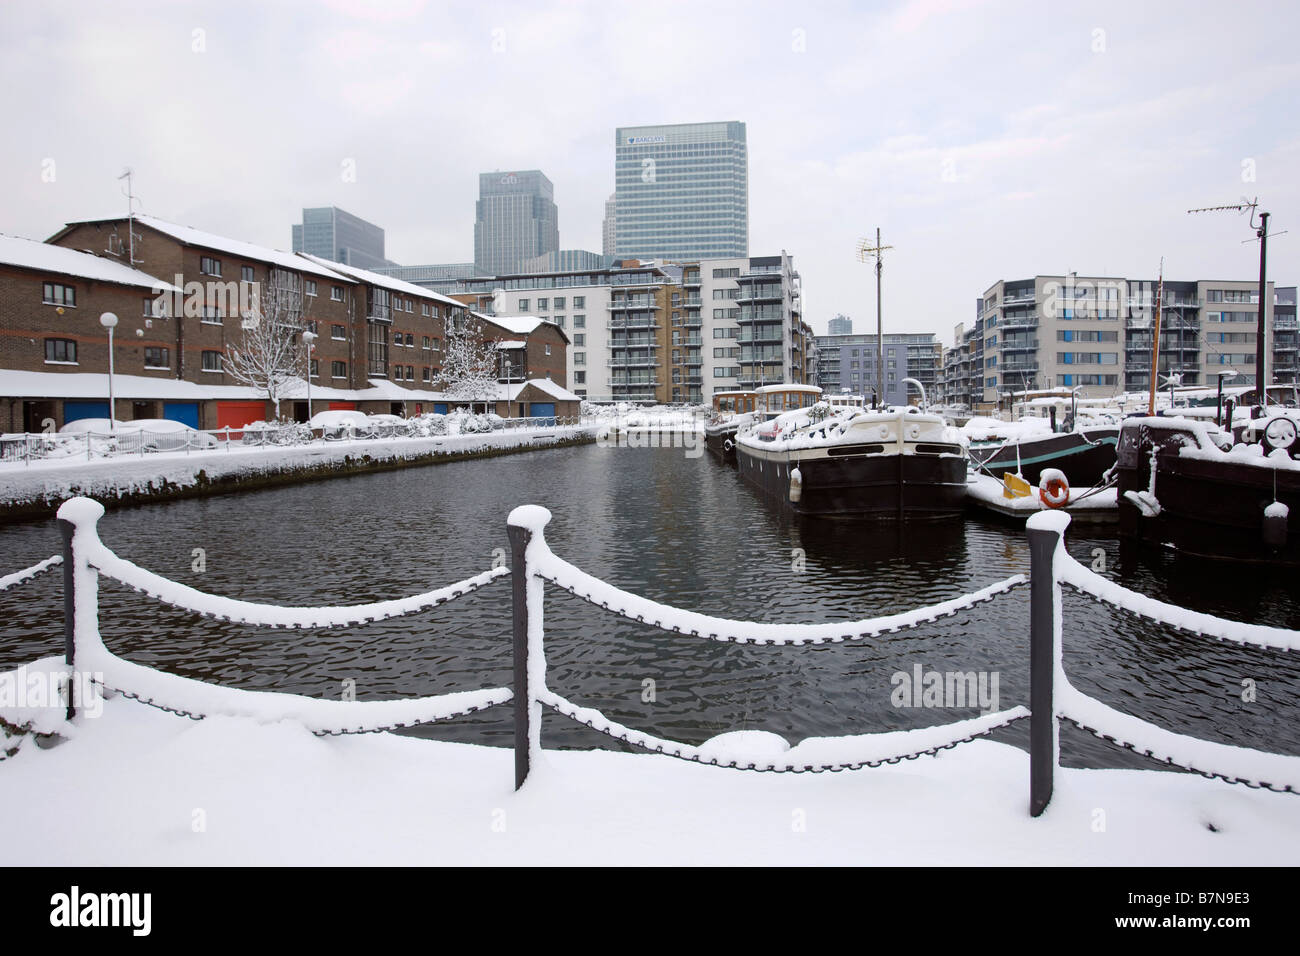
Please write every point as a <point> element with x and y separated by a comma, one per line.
<point>1053,489</point>
<point>727,444</point>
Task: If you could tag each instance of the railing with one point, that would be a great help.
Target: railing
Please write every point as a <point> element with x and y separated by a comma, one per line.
<point>85,558</point>
<point>1053,698</point>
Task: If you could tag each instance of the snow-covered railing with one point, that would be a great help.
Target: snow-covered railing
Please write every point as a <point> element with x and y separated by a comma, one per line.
<point>85,557</point>
<point>534,564</point>
<point>26,574</point>
<point>1053,698</point>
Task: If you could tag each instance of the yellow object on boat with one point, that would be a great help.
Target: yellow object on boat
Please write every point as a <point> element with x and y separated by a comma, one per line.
<point>1013,486</point>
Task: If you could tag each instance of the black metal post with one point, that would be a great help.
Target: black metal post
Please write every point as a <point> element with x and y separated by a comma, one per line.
<point>1261,335</point>
<point>1042,666</point>
<point>66,529</point>
<point>519,538</point>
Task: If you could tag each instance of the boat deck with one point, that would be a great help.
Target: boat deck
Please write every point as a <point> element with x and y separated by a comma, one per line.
<point>985,492</point>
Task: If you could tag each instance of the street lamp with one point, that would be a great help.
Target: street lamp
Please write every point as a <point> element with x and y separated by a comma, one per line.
<point>1218,415</point>
<point>109,321</point>
<point>309,337</point>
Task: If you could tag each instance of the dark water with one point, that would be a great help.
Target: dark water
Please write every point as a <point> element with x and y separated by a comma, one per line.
<point>683,531</point>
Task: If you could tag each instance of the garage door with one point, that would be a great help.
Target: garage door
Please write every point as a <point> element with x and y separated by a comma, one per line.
<point>343,406</point>
<point>75,411</point>
<point>238,414</point>
<point>184,412</point>
<point>541,410</point>
<point>440,408</point>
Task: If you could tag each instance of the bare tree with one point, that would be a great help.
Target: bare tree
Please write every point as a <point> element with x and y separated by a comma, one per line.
<point>469,365</point>
<point>270,355</point>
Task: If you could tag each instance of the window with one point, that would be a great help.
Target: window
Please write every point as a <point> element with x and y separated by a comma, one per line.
<point>541,305</point>
<point>211,361</point>
<point>246,274</point>
<point>210,315</point>
<point>579,378</point>
<point>209,266</point>
<point>559,303</point>
<point>426,374</point>
<point>523,305</point>
<point>579,321</point>
<point>548,350</point>
<point>339,332</point>
<point>336,293</point>
<point>397,338</point>
<point>338,369</point>
<point>410,340</point>
<point>579,340</point>
<point>410,373</point>
<point>579,358</point>
<point>309,287</point>
<point>312,327</point>
<point>315,368</point>
<point>559,320</point>
<point>55,294</point>
<point>155,357</point>
<point>436,344</point>
<point>424,308</point>
<point>154,308</point>
<point>725,273</point>
<point>62,351</point>
<point>410,305</point>
<point>424,343</point>
<point>579,301</point>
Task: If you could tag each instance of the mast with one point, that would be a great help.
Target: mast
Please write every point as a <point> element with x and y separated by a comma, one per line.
<point>1261,329</point>
<point>866,252</point>
<point>1155,341</point>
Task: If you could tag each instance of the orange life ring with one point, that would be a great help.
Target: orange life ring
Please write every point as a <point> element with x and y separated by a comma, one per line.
<point>1055,493</point>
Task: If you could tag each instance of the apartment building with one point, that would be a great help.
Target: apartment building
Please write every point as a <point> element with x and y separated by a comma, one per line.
<point>1096,331</point>
<point>847,363</point>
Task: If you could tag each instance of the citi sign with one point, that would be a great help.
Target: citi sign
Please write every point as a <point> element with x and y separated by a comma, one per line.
<point>510,180</point>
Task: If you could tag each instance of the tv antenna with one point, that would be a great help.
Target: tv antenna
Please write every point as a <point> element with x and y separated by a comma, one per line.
<point>866,253</point>
<point>130,217</point>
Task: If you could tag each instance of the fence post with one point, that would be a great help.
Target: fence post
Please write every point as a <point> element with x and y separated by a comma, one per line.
<point>525,523</point>
<point>1044,530</point>
<point>66,529</point>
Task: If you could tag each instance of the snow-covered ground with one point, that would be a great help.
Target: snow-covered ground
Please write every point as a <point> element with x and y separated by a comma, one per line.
<point>136,785</point>
<point>62,478</point>
<point>626,415</point>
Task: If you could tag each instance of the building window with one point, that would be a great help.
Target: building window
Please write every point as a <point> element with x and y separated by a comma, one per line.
<point>541,305</point>
<point>339,332</point>
<point>155,357</point>
<point>579,358</point>
<point>338,369</point>
<point>424,343</point>
<point>523,305</point>
<point>209,266</point>
<point>315,368</point>
<point>336,293</point>
<point>154,308</point>
<point>210,315</point>
<point>579,378</point>
<point>579,301</point>
<point>580,340</point>
<point>61,351</point>
<point>410,306</point>
<point>54,293</point>
<point>559,303</point>
<point>436,344</point>
<point>410,340</point>
<point>548,350</point>
<point>246,273</point>
<point>410,373</point>
<point>579,321</point>
<point>311,326</point>
<point>426,374</point>
<point>309,287</point>
<point>424,308</point>
<point>211,361</point>
<point>559,320</point>
<point>397,339</point>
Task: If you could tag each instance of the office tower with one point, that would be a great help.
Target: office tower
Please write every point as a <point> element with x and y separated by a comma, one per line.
<point>339,236</point>
<point>681,192</point>
<point>607,230</point>
<point>841,325</point>
<point>516,220</point>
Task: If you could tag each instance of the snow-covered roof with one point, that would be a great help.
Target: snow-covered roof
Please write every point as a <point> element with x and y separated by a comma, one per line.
<point>41,256</point>
<point>520,324</point>
<point>381,389</point>
<point>235,247</point>
<point>511,344</point>
<point>554,389</point>
<point>788,387</point>
<point>383,281</point>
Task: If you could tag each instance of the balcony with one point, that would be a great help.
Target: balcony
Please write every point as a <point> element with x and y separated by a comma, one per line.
<point>632,302</point>
<point>634,341</point>
<point>633,361</point>
<point>1019,322</point>
<point>633,322</point>
<point>759,334</point>
<point>761,294</point>
<point>690,280</point>
<point>1019,345</point>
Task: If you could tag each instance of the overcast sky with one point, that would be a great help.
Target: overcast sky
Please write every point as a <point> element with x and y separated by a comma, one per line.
<point>987,139</point>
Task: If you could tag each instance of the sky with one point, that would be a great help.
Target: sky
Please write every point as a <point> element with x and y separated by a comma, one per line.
<point>987,140</point>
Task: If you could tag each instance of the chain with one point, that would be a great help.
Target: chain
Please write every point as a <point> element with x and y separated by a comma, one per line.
<point>1252,784</point>
<point>319,733</point>
<point>559,707</point>
<point>26,574</point>
<point>1007,587</point>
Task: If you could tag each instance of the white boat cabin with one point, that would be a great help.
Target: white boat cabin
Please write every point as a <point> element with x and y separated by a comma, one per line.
<point>733,403</point>
<point>772,400</point>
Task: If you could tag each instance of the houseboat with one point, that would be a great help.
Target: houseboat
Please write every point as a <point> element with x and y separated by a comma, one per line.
<point>884,464</point>
<point>1049,430</point>
<point>731,410</point>
<point>1189,486</point>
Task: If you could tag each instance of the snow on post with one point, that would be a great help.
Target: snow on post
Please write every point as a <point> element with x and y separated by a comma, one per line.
<point>79,523</point>
<point>525,528</point>
<point>1046,531</point>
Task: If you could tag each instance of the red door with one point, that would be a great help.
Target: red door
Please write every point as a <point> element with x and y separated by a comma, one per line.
<point>342,406</point>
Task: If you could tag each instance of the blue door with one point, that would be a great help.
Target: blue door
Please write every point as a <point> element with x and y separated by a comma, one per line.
<point>440,408</point>
<point>187,413</point>
<point>541,410</point>
<point>75,411</point>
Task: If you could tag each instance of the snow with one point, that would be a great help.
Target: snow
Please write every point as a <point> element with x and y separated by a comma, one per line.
<point>1243,455</point>
<point>18,577</point>
<point>987,490</point>
<point>990,429</point>
<point>59,260</point>
<point>381,280</point>
<point>268,791</point>
<point>1277,510</point>
<point>516,324</point>
<point>235,247</point>
<point>508,344</point>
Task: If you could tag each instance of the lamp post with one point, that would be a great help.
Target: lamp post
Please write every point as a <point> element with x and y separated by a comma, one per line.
<point>109,321</point>
<point>308,338</point>
<point>1218,415</point>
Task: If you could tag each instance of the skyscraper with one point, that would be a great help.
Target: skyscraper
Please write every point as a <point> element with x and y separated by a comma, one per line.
<point>681,192</point>
<point>607,231</point>
<point>339,236</point>
<point>516,220</point>
<point>841,325</point>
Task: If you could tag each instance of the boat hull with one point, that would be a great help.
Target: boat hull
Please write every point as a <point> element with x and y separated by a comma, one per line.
<point>893,487</point>
<point>1083,456</point>
<point>1208,508</point>
<point>720,440</point>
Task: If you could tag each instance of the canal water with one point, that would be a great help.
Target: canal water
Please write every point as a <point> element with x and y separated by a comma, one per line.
<point>680,530</point>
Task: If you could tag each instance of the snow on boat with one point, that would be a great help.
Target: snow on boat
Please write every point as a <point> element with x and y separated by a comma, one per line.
<point>887,464</point>
<point>1187,485</point>
<point>1085,452</point>
<point>731,410</point>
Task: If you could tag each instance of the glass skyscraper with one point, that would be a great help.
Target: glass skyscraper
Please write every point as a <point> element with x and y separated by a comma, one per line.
<point>681,192</point>
<point>339,236</point>
<point>516,219</point>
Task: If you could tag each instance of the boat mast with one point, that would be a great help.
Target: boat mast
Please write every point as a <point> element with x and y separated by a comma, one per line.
<point>1155,341</point>
<point>866,252</point>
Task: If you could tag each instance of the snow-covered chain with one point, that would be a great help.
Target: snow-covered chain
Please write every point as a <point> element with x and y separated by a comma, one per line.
<point>1254,768</point>
<point>634,607</point>
<point>18,577</point>
<point>1071,572</point>
<point>271,615</point>
<point>812,755</point>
